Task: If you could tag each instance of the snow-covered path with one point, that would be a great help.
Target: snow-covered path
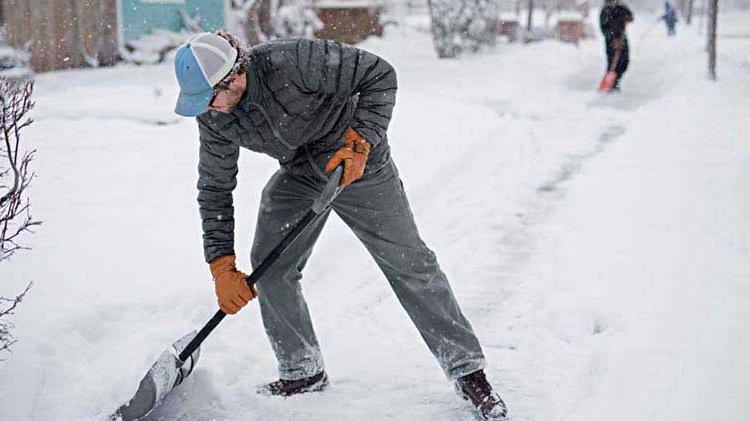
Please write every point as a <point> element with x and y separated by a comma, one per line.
<point>646,268</point>
<point>599,245</point>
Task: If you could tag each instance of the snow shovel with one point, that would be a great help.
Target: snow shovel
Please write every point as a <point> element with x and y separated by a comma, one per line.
<point>178,361</point>
<point>609,79</point>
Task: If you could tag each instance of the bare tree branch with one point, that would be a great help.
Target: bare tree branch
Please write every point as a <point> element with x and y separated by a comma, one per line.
<point>8,308</point>
<point>15,175</point>
<point>15,179</point>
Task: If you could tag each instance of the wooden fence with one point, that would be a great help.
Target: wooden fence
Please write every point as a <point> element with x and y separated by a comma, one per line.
<point>63,34</point>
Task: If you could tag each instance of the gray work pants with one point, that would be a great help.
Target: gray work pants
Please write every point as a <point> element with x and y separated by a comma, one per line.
<point>376,209</point>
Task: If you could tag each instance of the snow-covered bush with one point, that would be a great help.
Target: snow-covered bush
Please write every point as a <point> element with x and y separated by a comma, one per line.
<point>296,20</point>
<point>152,48</point>
<point>264,20</point>
<point>14,63</point>
<point>459,25</point>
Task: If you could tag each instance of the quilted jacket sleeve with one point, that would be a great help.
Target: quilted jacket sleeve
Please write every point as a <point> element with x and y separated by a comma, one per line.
<point>217,178</point>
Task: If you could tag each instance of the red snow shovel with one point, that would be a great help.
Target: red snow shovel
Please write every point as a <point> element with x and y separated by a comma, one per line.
<point>609,79</point>
<point>178,361</point>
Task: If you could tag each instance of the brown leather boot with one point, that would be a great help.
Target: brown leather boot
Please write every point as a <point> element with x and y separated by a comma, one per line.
<point>475,389</point>
<point>283,387</point>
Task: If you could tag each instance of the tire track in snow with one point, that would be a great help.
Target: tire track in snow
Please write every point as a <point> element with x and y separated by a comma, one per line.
<point>573,166</point>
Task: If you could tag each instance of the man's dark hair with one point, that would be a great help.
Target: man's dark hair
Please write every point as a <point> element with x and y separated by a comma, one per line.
<point>240,65</point>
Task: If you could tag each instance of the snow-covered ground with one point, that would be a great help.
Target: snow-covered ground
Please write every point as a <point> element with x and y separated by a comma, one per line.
<point>600,245</point>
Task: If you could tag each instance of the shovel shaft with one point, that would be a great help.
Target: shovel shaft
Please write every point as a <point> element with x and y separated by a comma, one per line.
<point>201,336</point>
<point>319,207</point>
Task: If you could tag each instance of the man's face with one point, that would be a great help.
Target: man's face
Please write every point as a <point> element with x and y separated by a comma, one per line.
<point>225,100</point>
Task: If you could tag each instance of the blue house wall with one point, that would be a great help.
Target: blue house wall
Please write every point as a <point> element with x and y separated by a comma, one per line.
<point>138,17</point>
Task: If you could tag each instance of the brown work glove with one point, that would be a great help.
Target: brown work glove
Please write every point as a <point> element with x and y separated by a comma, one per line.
<point>353,154</point>
<point>231,285</point>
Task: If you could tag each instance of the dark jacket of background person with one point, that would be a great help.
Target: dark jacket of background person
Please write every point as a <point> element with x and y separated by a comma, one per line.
<point>669,17</point>
<point>612,20</point>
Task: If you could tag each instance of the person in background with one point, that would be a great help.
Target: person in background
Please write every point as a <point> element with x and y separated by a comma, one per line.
<point>612,21</point>
<point>670,18</point>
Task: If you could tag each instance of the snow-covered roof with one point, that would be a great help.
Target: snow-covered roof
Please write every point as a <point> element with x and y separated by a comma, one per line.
<point>345,4</point>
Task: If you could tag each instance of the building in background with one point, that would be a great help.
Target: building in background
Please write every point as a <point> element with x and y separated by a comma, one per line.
<point>139,17</point>
<point>63,34</point>
<point>534,20</point>
<point>349,21</point>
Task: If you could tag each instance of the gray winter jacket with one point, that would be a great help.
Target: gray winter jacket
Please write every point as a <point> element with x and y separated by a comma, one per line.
<point>301,97</point>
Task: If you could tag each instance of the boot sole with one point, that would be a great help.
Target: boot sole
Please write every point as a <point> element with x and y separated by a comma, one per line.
<point>318,386</point>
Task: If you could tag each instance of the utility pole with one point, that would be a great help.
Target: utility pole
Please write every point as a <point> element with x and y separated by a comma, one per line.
<point>531,14</point>
<point>712,22</point>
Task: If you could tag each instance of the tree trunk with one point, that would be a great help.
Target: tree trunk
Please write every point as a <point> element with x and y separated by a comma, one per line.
<point>257,22</point>
<point>110,52</point>
<point>531,15</point>
<point>689,13</point>
<point>265,17</point>
<point>713,21</point>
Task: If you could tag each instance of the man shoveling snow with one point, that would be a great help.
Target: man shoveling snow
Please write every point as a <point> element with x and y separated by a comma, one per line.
<point>314,105</point>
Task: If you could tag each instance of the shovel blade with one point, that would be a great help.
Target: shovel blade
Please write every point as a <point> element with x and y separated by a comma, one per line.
<point>608,82</point>
<point>163,376</point>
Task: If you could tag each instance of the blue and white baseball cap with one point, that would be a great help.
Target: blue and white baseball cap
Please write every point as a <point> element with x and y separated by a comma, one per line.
<point>202,62</point>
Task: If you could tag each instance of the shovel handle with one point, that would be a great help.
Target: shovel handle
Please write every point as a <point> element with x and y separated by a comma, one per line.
<point>321,204</point>
<point>331,190</point>
<point>201,336</point>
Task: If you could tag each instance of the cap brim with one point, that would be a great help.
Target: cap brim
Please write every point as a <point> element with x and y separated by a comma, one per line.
<point>191,105</point>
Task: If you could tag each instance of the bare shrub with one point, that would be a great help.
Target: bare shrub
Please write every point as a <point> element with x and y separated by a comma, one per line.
<point>15,178</point>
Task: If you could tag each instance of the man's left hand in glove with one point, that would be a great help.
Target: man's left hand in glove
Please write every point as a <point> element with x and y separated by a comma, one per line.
<point>232,290</point>
<point>353,154</point>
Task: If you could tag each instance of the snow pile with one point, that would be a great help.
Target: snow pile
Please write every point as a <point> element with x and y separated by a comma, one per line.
<point>296,20</point>
<point>462,26</point>
<point>153,48</point>
<point>14,63</point>
<point>599,245</point>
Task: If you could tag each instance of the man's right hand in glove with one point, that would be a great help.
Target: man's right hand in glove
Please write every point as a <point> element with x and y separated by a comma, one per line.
<point>353,154</point>
<point>231,285</point>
